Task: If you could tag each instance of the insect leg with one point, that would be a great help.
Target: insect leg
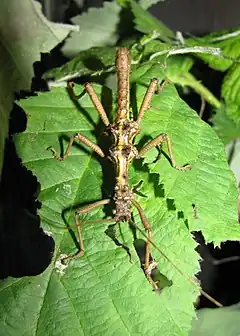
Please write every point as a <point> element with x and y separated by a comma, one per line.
<point>158,141</point>
<point>153,86</point>
<point>67,152</point>
<point>148,266</point>
<point>94,98</point>
<point>81,138</point>
<point>85,209</point>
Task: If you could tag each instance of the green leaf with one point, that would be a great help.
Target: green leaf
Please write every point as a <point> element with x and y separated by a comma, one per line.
<point>148,3</point>
<point>97,27</point>
<point>26,49</point>
<point>230,93</point>
<point>21,44</point>
<point>187,79</point>
<point>227,40</point>
<point>104,277</point>
<point>197,144</point>
<point>225,127</point>
<point>104,291</point>
<point>231,85</point>
<point>178,75</point>
<point>90,62</point>
<point>233,153</point>
<point>177,67</point>
<point>146,23</point>
<point>233,112</point>
<point>100,60</point>
<point>218,322</point>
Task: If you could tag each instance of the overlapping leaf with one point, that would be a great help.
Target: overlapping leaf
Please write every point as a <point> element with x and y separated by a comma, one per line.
<point>230,93</point>
<point>148,3</point>
<point>96,61</point>
<point>218,322</point>
<point>146,23</point>
<point>228,41</point>
<point>97,27</point>
<point>88,62</point>
<point>21,43</point>
<point>225,127</point>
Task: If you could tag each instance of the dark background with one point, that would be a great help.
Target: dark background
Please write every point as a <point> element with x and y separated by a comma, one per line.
<point>189,16</point>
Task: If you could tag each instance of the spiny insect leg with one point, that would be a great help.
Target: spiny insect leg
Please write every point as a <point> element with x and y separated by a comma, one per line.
<point>67,152</point>
<point>148,266</point>
<point>152,88</point>
<point>81,138</point>
<point>158,141</point>
<point>80,211</point>
<point>94,98</point>
<point>89,143</point>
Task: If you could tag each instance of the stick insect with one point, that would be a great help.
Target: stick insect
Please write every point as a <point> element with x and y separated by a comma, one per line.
<point>122,152</point>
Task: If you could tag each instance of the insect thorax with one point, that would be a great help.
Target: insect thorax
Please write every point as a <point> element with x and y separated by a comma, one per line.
<point>123,150</point>
<point>121,154</point>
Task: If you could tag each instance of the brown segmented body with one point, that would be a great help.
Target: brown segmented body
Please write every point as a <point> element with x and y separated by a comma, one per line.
<point>123,132</point>
<point>123,63</point>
